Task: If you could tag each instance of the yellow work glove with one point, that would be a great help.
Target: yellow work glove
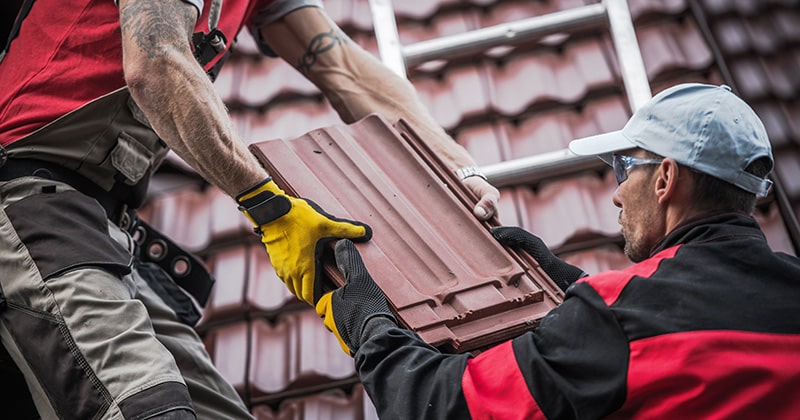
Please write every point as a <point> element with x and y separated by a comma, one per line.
<point>295,232</point>
<point>346,310</point>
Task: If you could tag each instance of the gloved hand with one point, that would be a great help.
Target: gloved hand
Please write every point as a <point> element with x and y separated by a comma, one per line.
<point>347,309</point>
<point>295,231</point>
<point>564,274</point>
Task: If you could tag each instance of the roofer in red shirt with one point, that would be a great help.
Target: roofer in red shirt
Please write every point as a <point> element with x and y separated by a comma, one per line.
<point>705,324</point>
<point>94,93</point>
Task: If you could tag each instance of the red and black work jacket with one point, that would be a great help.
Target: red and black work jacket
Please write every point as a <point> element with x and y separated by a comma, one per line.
<point>707,327</point>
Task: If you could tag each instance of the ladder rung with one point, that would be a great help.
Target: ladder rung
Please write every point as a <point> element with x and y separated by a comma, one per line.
<point>614,13</point>
<point>522,30</point>
<point>533,169</point>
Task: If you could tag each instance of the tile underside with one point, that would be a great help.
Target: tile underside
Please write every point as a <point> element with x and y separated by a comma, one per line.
<point>440,268</point>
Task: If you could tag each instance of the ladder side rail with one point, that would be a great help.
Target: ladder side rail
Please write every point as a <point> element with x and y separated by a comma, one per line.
<point>629,56</point>
<point>385,26</point>
<point>614,13</point>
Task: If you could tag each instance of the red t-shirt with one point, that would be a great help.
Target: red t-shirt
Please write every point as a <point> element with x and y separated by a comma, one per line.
<point>69,52</point>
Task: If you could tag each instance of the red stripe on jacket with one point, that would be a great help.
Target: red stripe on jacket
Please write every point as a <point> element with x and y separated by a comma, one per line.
<point>713,374</point>
<point>495,389</point>
<point>609,284</point>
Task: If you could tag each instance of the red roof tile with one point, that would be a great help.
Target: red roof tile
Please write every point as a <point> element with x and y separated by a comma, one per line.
<point>450,23</point>
<point>227,83</point>
<point>458,95</point>
<point>286,355</point>
<point>642,9</point>
<point>446,292</point>
<point>553,130</point>
<point>247,286</point>
<point>183,217</point>
<point>265,80</point>
<point>228,347</point>
<point>266,293</point>
<point>288,119</point>
<point>230,269</point>
<point>673,47</point>
<point>483,142</point>
<point>559,210</point>
<point>332,404</point>
<point>521,81</point>
<point>226,219</point>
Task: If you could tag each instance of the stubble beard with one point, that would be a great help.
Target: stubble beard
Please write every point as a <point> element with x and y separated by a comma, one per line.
<point>636,248</point>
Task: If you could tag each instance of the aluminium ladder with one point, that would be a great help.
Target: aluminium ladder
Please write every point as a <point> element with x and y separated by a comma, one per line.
<point>611,14</point>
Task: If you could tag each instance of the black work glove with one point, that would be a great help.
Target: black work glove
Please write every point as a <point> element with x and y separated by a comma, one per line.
<point>562,273</point>
<point>347,309</point>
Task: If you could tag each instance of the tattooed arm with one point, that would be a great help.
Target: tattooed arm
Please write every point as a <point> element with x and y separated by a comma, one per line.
<point>357,84</point>
<point>176,95</point>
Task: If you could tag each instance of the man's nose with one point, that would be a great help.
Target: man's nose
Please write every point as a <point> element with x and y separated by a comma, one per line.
<point>616,198</point>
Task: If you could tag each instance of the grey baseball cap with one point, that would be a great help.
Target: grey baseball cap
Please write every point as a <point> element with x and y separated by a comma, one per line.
<point>704,127</point>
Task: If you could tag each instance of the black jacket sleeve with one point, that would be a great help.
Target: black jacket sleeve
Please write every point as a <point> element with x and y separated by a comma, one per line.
<point>573,365</point>
<point>406,378</point>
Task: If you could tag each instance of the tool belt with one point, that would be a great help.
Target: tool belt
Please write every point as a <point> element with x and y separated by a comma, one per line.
<point>186,270</point>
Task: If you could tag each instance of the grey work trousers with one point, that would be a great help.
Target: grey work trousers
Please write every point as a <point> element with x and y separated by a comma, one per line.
<point>90,335</point>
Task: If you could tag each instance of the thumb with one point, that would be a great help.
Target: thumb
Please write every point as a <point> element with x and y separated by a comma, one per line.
<point>324,309</point>
<point>489,197</point>
<point>517,237</point>
<point>348,260</point>
<point>509,235</point>
<point>486,208</point>
<point>343,228</point>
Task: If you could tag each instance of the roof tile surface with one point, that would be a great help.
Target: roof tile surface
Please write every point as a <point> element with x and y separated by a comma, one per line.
<point>438,266</point>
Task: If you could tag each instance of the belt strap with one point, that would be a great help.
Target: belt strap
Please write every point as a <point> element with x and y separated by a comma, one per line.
<point>186,270</point>
<point>12,168</point>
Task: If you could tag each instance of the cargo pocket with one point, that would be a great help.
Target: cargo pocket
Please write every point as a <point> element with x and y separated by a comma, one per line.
<point>169,292</point>
<point>66,230</point>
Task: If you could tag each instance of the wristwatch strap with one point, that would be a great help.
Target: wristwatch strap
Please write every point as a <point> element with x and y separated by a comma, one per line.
<point>468,171</point>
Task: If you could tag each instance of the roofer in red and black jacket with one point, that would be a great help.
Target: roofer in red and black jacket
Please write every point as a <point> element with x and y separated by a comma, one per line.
<point>94,93</point>
<point>704,325</point>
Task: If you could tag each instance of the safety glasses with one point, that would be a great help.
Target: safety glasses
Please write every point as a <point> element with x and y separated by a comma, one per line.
<point>622,164</point>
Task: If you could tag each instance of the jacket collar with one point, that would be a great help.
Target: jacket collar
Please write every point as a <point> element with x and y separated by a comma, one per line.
<point>711,226</point>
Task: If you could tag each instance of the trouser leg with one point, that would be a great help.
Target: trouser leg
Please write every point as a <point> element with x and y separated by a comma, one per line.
<point>212,395</point>
<point>72,324</point>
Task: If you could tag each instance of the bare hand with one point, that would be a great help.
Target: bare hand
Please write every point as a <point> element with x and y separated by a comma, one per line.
<point>489,195</point>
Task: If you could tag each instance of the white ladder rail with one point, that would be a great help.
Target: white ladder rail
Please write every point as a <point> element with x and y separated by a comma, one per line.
<point>614,14</point>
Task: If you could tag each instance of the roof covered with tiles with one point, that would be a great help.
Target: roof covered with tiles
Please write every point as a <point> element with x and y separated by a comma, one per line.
<point>503,104</point>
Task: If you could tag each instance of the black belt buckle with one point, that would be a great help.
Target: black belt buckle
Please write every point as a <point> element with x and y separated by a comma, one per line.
<point>186,270</point>
<point>207,46</point>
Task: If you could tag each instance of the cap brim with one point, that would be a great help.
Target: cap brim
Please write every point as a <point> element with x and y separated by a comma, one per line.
<point>601,145</point>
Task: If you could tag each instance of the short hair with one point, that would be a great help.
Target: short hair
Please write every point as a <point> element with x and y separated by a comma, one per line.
<point>711,193</point>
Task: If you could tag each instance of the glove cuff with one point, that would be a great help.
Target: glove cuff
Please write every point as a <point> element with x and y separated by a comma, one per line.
<point>263,202</point>
<point>266,185</point>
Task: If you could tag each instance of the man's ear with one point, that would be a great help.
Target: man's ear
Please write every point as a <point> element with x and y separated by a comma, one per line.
<point>666,180</point>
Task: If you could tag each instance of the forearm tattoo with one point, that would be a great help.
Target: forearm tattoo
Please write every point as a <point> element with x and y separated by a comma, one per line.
<point>320,44</point>
<point>155,25</point>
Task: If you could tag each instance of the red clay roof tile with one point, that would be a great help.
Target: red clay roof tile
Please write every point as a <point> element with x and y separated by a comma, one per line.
<point>448,292</point>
